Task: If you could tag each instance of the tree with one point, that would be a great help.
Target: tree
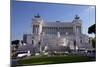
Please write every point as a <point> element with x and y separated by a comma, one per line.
<point>22,41</point>
<point>94,42</point>
<point>16,43</point>
<point>92,29</point>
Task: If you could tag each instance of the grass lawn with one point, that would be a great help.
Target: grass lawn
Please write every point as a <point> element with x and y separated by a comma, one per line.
<point>54,60</point>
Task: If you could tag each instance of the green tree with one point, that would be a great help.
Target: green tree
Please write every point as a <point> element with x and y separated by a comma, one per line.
<point>94,42</point>
<point>16,43</point>
<point>92,29</point>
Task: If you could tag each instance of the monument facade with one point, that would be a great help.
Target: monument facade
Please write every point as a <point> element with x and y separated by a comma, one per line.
<point>57,36</point>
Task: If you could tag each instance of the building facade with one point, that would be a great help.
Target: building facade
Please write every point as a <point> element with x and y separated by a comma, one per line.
<point>57,36</point>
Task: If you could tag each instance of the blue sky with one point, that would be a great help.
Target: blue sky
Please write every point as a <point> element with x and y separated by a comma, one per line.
<point>23,12</point>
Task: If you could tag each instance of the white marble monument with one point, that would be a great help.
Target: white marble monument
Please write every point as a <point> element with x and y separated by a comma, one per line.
<point>57,35</point>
